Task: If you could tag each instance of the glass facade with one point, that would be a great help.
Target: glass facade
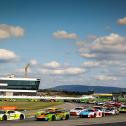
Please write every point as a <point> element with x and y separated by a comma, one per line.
<point>22,84</point>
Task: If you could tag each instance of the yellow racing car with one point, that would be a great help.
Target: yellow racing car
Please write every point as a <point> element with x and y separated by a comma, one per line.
<point>122,109</point>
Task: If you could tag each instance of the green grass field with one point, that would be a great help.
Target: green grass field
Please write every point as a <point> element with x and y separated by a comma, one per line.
<point>29,105</point>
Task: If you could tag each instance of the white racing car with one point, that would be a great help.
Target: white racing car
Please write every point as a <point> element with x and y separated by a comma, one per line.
<point>111,111</point>
<point>11,115</point>
<point>76,111</point>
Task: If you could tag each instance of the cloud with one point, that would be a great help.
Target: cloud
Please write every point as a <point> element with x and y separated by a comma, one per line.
<point>65,71</point>
<point>108,47</point>
<point>100,64</point>
<point>87,55</point>
<point>64,35</point>
<point>7,31</point>
<point>53,64</point>
<point>33,62</point>
<point>55,68</point>
<point>111,39</point>
<point>105,78</point>
<point>122,21</point>
<point>7,56</point>
<point>100,73</point>
<point>74,70</point>
<point>90,64</point>
<point>110,62</point>
<point>105,56</point>
<point>62,71</point>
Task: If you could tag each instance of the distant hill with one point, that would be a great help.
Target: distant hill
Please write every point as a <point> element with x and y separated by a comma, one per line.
<point>84,88</point>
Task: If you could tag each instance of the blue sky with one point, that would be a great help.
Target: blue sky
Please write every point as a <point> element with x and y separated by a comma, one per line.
<point>65,41</point>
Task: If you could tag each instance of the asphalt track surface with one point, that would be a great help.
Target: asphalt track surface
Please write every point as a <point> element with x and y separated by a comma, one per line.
<point>71,122</point>
<point>108,124</point>
<point>117,120</point>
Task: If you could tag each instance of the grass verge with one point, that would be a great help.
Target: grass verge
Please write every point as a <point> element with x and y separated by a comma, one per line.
<point>30,107</point>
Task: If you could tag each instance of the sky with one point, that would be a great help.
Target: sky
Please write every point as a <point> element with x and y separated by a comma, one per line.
<point>79,42</point>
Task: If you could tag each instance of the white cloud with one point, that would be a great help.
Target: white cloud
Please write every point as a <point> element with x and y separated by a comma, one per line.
<point>17,31</point>
<point>64,71</point>
<point>109,47</point>
<point>53,64</point>
<point>7,31</point>
<point>88,55</point>
<point>7,56</point>
<point>107,55</point>
<point>74,70</point>
<point>64,35</point>
<point>122,21</point>
<point>66,74</point>
<point>33,62</point>
<point>105,78</point>
<point>110,62</point>
<point>91,64</point>
<point>53,68</point>
<point>112,39</point>
<point>4,34</point>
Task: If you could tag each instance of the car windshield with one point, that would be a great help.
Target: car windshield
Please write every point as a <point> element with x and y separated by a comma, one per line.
<point>99,108</point>
<point>123,107</point>
<point>90,110</point>
<point>108,109</point>
<point>50,112</point>
<point>78,108</point>
<point>2,112</point>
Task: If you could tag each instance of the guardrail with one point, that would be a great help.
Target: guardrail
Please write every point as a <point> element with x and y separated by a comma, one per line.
<point>47,97</point>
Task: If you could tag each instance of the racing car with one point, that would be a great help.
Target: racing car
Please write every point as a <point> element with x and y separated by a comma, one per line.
<point>58,114</point>
<point>91,113</point>
<point>116,104</point>
<point>53,109</point>
<point>111,111</point>
<point>11,115</point>
<point>76,111</point>
<point>122,109</point>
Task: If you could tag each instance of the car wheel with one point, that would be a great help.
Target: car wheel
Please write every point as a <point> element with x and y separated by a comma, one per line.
<point>67,117</point>
<point>94,116</point>
<point>53,118</point>
<point>21,117</point>
<point>103,114</point>
<point>4,118</point>
<point>37,119</point>
<point>80,116</point>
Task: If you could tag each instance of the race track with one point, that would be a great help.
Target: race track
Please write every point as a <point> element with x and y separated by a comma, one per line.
<point>117,120</point>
